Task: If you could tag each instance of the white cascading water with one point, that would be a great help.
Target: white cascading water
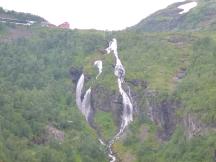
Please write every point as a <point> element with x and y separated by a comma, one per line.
<point>99,65</point>
<point>127,117</point>
<point>127,114</point>
<point>79,87</point>
<point>119,71</point>
<point>112,46</point>
<point>84,104</point>
<point>119,68</point>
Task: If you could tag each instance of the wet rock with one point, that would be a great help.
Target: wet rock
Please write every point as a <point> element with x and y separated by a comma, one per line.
<point>107,101</point>
<point>180,39</point>
<point>75,74</point>
<point>214,155</point>
<point>102,51</point>
<point>136,82</point>
<point>181,73</point>
<point>163,114</point>
<point>193,126</point>
<point>167,119</point>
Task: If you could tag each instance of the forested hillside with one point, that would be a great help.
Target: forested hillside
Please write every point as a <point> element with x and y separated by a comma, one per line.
<point>172,75</point>
<point>37,97</point>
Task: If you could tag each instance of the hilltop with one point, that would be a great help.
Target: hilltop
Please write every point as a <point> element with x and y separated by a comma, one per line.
<point>201,17</point>
<point>19,17</point>
<point>170,69</point>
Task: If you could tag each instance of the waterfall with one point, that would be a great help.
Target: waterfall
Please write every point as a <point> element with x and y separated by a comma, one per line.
<point>119,68</point>
<point>79,88</point>
<point>112,46</point>
<point>99,65</point>
<point>84,104</point>
<point>127,113</point>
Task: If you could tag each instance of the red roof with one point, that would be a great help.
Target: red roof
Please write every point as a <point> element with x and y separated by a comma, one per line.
<point>64,25</point>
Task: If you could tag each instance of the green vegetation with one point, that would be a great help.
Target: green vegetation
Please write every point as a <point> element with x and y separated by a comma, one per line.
<point>36,92</point>
<point>198,88</point>
<point>196,91</point>
<point>106,124</point>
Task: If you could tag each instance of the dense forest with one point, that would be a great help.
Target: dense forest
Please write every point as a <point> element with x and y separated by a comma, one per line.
<point>172,75</point>
<point>36,93</point>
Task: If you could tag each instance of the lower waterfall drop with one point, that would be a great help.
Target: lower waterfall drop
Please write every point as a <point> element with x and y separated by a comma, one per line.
<point>84,104</point>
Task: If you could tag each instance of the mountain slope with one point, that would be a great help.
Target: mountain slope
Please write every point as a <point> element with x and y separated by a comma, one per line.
<point>38,117</point>
<point>201,17</point>
<point>172,79</point>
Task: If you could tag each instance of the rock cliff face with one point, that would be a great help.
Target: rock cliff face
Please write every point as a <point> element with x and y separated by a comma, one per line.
<point>194,127</point>
<point>75,73</point>
<point>163,114</point>
<point>108,101</point>
<point>103,99</point>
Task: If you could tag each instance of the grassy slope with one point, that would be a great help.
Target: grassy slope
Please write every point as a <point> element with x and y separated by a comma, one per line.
<point>36,90</point>
<point>159,61</point>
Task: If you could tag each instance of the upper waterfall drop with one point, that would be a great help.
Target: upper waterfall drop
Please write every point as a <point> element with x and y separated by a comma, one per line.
<point>112,46</point>
<point>119,68</point>
<point>119,71</point>
<point>99,65</point>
